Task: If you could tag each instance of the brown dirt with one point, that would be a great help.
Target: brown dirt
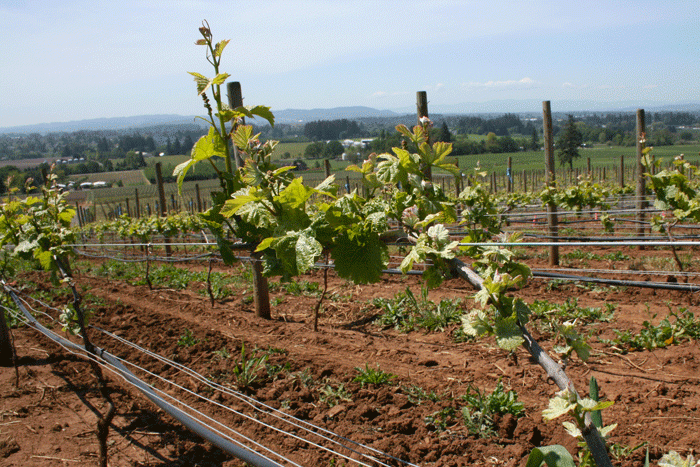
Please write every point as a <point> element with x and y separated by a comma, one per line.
<point>49,419</point>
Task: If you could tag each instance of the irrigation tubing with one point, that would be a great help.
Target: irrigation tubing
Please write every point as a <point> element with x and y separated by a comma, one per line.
<point>113,361</point>
<point>187,420</point>
<point>619,282</point>
<point>296,422</point>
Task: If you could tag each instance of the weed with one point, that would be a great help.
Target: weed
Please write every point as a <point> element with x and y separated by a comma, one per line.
<point>617,256</point>
<point>479,412</point>
<point>441,419</point>
<point>276,301</point>
<point>334,394</point>
<point>417,395</point>
<point>247,368</point>
<point>247,299</point>
<point>405,312</point>
<point>371,376</point>
<point>187,339</point>
<point>222,354</point>
<point>684,327</point>
<point>305,378</point>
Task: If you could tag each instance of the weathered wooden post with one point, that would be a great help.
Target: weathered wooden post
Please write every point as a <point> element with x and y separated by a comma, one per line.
<point>138,205</point>
<point>509,175</point>
<point>6,352</point>
<point>199,198</point>
<point>128,208</point>
<point>622,171</point>
<point>550,179</point>
<point>235,99</point>
<point>524,181</point>
<point>641,179</point>
<point>161,202</point>
<point>589,168</point>
<point>78,214</point>
<point>327,168</point>
<point>422,111</point>
<point>458,180</point>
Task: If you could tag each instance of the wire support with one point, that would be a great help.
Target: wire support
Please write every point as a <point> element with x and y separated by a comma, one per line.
<point>112,364</point>
<point>620,283</point>
<point>620,271</point>
<point>241,397</point>
<point>255,404</point>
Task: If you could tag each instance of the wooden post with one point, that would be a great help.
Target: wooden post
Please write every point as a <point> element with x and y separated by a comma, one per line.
<point>78,214</point>
<point>524,181</point>
<point>128,208</point>
<point>138,205</point>
<point>458,180</point>
<point>552,219</point>
<point>199,198</point>
<point>422,111</point>
<point>161,202</point>
<point>235,99</point>
<point>327,168</point>
<point>260,285</point>
<point>6,352</point>
<point>622,171</point>
<point>173,203</point>
<point>509,175</point>
<point>589,168</point>
<point>641,180</point>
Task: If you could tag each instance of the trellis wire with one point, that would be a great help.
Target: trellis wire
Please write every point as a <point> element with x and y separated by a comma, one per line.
<point>119,371</point>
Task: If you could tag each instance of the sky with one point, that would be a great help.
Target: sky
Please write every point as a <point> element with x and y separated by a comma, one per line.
<point>73,59</point>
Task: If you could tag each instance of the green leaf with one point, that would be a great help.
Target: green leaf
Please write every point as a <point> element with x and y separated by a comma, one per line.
<point>360,258</point>
<point>220,78</point>
<point>264,112</point>
<point>589,405</point>
<point>307,249</point>
<point>593,393</point>
<point>201,80</point>
<point>295,194</point>
<point>475,324</point>
<point>218,50</point>
<point>554,456</point>
<point>508,335</point>
<point>558,406</point>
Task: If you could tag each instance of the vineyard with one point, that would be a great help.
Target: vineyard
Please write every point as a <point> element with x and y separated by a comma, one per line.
<point>422,316</point>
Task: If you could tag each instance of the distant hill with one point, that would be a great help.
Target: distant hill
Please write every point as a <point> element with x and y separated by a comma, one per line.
<point>97,124</point>
<point>301,116</point>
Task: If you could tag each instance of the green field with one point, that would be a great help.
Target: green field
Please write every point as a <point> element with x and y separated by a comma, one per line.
<point>600,155</point>
<point>127,177</point>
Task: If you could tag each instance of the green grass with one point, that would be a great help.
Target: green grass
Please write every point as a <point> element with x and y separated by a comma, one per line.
<point>601,156</point>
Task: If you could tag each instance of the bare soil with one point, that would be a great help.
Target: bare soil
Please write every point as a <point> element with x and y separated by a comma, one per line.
<point>49,418</point>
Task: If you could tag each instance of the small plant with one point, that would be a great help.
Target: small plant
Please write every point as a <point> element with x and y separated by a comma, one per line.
<point>406,313</point>
<point>417,395</point>
<point>334,394</point>
<point>684,327</point>
<point>187,339</point>
<point>371,376</point>
<point>481,407</point>
<point>305,378</point>
<point>441,419</point>
<point>222,354</point>
<point>247,368</point>
<point>673,459</point>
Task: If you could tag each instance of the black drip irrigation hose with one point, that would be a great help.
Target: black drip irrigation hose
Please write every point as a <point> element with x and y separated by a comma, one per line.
<point>620,283</point>
<point>609,239</point>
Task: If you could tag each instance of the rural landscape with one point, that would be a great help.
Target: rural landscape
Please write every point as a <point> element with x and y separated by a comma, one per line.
<point>351,287</point>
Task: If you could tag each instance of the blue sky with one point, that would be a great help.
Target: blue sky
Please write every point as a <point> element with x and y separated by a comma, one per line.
<point>75,59</point>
